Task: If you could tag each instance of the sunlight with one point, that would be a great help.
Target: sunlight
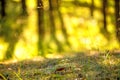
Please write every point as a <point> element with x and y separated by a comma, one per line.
<point>17,0</point>
<point>114,44</point>
<point>84,27</point>
<point>24,50</point>
<point>31,4</point>
<point>53,46</point>
<point>59,36</point>
<point>111,28</point>
<point>27,45</point>
<point>86,42</point>
<point>98,15</point>
<point>53,56</point>
<point>68,24</point>
<point>82,12</point>
<point>74,43</point>
<point>59,39</point>
<point>75,21</point>
<point>97,3</point>
<point>3,48</point>
<point>110,62</point>
<point>20,51</point>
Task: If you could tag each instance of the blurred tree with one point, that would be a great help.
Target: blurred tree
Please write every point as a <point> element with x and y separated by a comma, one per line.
<point>41,29</point>
<point>117,14</point>
<point>104,14</point>
<point>92,7</point>
<point>12,38</point>
<point>56,22</point>
<point>3,3</point>
<point>52,9</point>
<point>64,31</point>
<point>104,11</point>
<point>8,32</point>
<point>24,8</point>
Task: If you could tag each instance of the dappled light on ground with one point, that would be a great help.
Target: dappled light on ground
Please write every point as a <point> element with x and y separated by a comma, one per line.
<point>81,66</point>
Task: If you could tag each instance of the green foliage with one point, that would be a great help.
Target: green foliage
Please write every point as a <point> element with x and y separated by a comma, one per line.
<point>68,27</point>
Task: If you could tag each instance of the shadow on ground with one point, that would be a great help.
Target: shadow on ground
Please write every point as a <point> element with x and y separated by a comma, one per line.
<point>82,66</point>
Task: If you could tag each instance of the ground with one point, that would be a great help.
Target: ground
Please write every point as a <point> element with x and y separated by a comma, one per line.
<point>81,66</point>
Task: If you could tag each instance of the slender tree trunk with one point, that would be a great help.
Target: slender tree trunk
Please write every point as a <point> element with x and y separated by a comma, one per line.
<point>104,14</point>
<point>92,8</point>
<point>12,39</point>
<point>40,26</point>
<point>104,11</point>
<point>3,3</point>
<point>64,31</point>
<point>53,6</point>
<point>117,15</point>
<point>24,8</point>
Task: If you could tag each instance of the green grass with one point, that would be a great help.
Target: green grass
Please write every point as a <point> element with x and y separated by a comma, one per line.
<point>81,66</point>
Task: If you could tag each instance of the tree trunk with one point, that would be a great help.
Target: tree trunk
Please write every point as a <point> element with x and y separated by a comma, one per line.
<point>104,14</point>
<point>3,3</point>
<point>53,8</point>
<point>40,26</point>
<point>117,15</point>
<point>24,9</point>
<point>92,8</point>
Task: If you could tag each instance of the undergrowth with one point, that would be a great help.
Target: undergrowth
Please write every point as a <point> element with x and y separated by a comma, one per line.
<point>101,66</point>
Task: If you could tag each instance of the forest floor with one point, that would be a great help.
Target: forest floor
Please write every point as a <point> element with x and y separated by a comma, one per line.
<point>80,66</point>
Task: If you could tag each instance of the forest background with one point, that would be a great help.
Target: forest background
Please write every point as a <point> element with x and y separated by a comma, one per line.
<point>30,28</point>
